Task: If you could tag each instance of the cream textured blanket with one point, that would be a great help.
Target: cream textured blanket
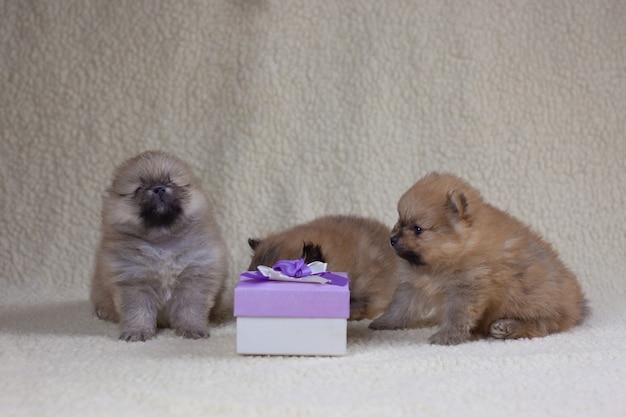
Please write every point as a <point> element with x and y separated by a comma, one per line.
<point>289,110</point>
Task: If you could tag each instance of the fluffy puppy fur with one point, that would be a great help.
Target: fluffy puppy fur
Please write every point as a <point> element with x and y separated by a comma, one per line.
<point>476,270</point>
<point>356,245</point>
<point>161,260</point>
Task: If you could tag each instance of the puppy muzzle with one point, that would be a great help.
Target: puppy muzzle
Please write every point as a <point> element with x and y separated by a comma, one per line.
<point>412,257</point>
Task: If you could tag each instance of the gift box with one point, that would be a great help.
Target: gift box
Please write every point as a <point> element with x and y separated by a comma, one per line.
<point>296,317</point>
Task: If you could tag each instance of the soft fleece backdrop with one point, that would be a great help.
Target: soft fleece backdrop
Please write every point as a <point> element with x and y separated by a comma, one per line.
<point>289,110</point>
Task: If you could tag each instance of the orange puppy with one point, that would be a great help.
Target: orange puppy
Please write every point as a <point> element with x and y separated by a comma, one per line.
<point>476,270</point>
<point>356,245</point>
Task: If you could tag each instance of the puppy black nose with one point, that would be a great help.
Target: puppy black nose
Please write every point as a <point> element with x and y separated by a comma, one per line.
<point>393,240</point>
<point>159,190</point>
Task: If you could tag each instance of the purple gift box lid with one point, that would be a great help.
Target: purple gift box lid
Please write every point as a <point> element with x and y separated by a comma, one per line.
<point>256,298</point>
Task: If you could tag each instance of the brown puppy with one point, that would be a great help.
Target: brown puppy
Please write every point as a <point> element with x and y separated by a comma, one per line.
<point>161,258</point>
<point>356,245</point>
<point>477,271</point>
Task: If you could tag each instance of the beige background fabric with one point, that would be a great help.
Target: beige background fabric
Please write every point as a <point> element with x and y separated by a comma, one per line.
<point>288,110</point>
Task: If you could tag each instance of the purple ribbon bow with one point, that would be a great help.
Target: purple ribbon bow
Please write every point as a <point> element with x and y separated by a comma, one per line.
<point>297,268</point>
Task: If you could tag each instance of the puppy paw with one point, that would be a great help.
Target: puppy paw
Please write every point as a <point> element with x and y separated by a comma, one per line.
<point>106,314</point>
<point>137,335</point>
<point>102,314</point>
<point>503,328</point>
<point>448,337</point>
<point>383,325</point>
<point>192,333</point>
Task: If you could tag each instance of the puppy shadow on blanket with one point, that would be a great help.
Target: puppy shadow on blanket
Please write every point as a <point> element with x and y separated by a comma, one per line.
<point>71,318</point>
<point>360,335</point>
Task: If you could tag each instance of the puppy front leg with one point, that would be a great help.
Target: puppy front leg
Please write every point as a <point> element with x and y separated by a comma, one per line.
<point>459,319</point>
<point>407,309</point>
<point>139,306</point>
<point>191,301</point>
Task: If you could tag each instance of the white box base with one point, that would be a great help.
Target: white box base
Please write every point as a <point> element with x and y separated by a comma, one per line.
<point>291,336</point>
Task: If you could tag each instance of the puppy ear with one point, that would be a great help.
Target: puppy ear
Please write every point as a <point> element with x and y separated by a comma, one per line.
<point>254,243</point>
<point>457,203</point>
<point>312,252</point>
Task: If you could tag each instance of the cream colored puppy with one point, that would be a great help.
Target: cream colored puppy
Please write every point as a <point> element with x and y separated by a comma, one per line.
<point>161,260</point>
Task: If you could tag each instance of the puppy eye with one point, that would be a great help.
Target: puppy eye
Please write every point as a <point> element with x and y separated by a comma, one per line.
<point>417,230</point>
<point>137,190</point>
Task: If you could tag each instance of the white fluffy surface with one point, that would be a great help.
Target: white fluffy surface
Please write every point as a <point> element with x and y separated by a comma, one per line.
<point>289,110</point>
